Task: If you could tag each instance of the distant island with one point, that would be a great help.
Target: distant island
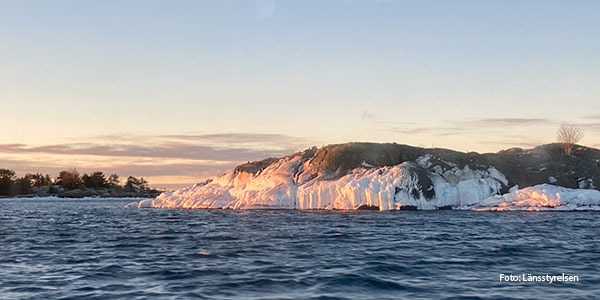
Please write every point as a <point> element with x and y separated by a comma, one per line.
<point>70,184</point>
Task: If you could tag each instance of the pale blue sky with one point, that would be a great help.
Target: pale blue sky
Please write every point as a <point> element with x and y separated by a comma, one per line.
<point>469,75</point>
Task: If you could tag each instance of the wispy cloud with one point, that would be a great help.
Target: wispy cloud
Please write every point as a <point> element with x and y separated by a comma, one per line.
<point>167,150</point>
<point>278,140</point>
<point>595,116</point>
<point>494,122</point>
<point>591,126</point>
<point>223,147</point>
<point>522,142</point>
<point>415,130</point>
<point>217,138</point>
<point>463,127</point>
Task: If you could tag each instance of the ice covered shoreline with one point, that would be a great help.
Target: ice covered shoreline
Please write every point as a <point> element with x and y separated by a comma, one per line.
<point>544,197</point>
<point>426,183</point>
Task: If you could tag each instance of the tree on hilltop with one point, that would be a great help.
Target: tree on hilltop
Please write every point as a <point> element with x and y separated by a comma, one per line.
<point>569,135</point>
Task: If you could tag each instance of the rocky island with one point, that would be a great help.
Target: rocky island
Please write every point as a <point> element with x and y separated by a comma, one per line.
<point>392,176</point>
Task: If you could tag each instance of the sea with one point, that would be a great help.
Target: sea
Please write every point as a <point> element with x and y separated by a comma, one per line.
<point>98,249</point>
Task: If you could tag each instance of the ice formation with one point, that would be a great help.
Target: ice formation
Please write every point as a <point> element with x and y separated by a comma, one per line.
<point>295,182</point>
<point>542,197</point>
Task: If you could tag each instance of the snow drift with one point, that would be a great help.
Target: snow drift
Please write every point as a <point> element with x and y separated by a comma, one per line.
<point>542,197</point>
<point>354,177</point>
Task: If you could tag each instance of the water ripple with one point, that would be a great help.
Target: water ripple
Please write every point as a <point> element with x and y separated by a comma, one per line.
<point>96,249</point>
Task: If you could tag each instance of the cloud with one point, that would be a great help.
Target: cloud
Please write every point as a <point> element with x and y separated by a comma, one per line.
<point>521,142</point>
<point>218,141</point>
<point>472,126</point>
<point>215,147</point>
<point>415,130</point>
<point>237,138</point>
<point>433,130</point>
<point>493,122</point>
<point>593,116</point>
<point>179,169</point>
<point>591,126</point>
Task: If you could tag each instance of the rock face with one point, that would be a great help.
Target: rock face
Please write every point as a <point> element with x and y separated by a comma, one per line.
<point>536,166</point>
<point>386,177</point>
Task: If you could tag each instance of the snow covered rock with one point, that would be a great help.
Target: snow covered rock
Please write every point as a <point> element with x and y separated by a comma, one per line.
<point>542,197</point>
<point>386,177</point>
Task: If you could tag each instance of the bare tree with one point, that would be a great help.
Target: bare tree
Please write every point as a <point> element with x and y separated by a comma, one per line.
<point>568,135</point>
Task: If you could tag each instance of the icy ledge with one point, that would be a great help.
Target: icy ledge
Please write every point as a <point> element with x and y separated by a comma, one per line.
<point>293,183</point>
<point>543,197</point>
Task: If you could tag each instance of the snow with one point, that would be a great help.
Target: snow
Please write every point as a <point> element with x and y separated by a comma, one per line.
<point>542,197</point>
<point>294,183</point>
<point>586,183</point>
<point>388,188</point>
<point>497,175</point>
<point>424,160</point>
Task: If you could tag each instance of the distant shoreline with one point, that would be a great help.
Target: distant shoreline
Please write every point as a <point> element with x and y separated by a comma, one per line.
<point>62,197</point>
<point>44,198</point>
<point>70,184</point>
<point>89,193</point>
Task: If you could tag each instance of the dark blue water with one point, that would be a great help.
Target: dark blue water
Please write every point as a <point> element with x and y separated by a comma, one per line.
<point>88,249</point>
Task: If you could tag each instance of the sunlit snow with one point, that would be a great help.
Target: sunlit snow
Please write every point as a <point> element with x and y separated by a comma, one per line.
<point>293,183</point>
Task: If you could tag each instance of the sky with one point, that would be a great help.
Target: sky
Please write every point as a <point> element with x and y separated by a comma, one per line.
<point>180,91</point>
